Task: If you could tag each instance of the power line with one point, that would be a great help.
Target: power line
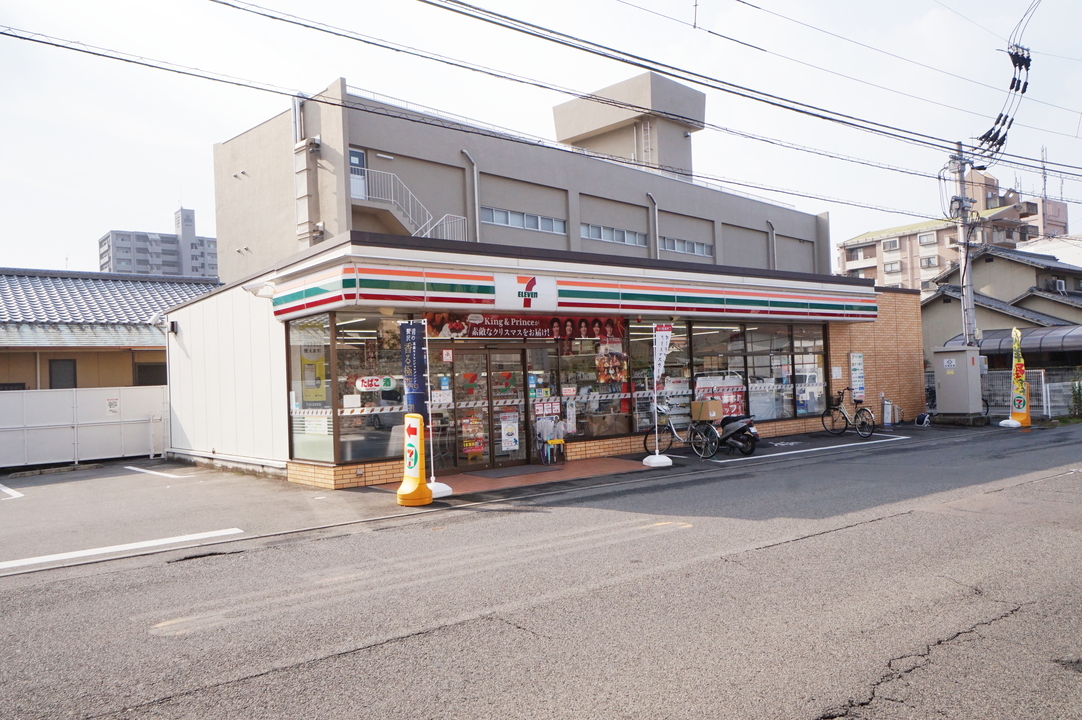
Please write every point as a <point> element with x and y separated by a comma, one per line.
<point>894,55</point>
<point>530,29</point>
<point>971,20</point>
<point>368,40</point>
<point>832,72</point>
<point>557,37</point>
<point>186,71</point>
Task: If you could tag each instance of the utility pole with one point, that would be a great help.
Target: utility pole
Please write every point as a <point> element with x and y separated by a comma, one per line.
<point>960,206</point>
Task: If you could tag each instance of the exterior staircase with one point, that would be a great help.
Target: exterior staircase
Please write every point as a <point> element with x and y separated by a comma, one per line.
<point>387,189</point>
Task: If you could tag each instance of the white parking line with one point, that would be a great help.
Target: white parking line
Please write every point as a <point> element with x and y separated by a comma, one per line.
<point>807,450</point>
<point>10,492</point>
<point>117,548</point>
<point>151,472</point>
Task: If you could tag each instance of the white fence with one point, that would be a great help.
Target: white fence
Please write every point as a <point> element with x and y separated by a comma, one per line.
<point>39,427</point>
<point>1045,399</point>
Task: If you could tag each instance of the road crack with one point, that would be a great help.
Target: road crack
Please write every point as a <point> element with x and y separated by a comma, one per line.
<point>901,666</point>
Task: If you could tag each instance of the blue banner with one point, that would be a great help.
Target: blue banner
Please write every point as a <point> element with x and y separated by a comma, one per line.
<point>414,368</point>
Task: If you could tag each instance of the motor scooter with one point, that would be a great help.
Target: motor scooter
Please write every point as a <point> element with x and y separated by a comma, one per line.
<point>738,433</point>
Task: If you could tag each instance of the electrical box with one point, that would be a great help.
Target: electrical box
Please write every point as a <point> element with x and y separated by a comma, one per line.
<point>957,380</point>
<point>984,364</point>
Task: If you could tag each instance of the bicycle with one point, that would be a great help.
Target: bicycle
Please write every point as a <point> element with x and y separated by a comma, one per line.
<point>836,419</point>
<point>703,441</point>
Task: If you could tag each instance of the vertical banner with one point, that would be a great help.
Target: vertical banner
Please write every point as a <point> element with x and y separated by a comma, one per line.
<point>414,370</point>
<point>856,374</point>
<point>1019,390</point>
<point>662,336</point>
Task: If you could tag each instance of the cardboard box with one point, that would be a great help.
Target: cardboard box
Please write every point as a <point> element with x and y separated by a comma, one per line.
<point>707,410</point>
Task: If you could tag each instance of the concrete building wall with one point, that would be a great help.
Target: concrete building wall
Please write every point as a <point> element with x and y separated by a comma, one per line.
<point>227,381</point>
<point>744,247</point>
<point>253,199</point>
<point>255,209</point>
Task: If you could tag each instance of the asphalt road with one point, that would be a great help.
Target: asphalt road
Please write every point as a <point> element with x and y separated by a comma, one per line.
<point>937,577</point>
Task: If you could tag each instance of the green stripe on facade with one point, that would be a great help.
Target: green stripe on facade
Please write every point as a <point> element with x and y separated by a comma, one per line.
<point>589,294</point>
<point>459,288</point>
<point>645,297</point>
<point>307,293</point>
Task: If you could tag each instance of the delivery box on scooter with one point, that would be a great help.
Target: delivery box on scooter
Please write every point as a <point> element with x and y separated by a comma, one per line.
<point>707,410</point>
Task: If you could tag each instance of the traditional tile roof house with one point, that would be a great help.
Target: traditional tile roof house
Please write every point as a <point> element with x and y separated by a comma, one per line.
<point>84,329</point>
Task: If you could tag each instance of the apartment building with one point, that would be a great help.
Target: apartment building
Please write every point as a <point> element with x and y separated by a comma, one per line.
<point>539,270</point>
<point>912,255</point>
<point>182,253</point>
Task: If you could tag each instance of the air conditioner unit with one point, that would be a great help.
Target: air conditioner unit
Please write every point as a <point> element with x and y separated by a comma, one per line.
<point>1061,286</point>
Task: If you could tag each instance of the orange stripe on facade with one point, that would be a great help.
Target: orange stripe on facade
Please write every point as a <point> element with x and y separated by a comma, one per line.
<point>383,271</point>
<point>572,283</point>
<point>459,276</point>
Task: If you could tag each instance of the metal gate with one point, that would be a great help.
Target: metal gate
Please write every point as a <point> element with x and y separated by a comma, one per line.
<point>56,426</point>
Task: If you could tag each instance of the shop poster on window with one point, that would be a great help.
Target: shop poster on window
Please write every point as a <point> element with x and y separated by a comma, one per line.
<point>729,390</point>
<point>856,374</point>
<point>509,431</point>
<point>313,371</point>
<point>559,327</point>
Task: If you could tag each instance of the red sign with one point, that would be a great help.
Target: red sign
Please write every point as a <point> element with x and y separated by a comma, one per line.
<point>560,327</point>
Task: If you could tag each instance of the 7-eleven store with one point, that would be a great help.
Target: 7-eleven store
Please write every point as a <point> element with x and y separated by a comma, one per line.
<point>524,339</point>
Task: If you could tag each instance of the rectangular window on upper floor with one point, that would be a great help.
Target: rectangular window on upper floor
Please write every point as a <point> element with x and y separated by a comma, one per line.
<point>688,247</point>
<point>613,235</point>
<point>929,262</point>
<point>892,267</point>
<point>926,239</point>
<point>523,220</point>
<point>891,244</point>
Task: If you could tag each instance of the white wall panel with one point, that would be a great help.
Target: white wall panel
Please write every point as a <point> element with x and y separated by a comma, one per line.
<point>50,445</point>
<point>227,378</point>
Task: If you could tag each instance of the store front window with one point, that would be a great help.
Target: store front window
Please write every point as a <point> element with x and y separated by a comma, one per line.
<point>810,377</point>
<point>718,369</point>
<point>770,372</point>
<point>311,419</point>
<point>369,386</point>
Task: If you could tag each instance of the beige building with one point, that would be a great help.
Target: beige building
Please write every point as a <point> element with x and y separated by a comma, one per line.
<point>1011,289</point>
<point>911,256</point>
<point>361,162</point>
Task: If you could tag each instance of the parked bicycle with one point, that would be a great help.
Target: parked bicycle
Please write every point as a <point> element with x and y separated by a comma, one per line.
<point>836,419</point>
<point>700,436</point>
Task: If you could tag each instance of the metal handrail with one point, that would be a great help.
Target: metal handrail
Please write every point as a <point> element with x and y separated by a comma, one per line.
<point>366,184</point>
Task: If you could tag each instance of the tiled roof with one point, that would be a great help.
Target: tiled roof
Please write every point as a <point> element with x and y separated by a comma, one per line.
<point>66,335</point>
<point>1039,318</point>
<point>45,296</point>
<point>1067,298</point>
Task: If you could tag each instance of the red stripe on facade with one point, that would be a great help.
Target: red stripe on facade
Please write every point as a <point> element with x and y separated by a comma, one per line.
<point>465,301</point>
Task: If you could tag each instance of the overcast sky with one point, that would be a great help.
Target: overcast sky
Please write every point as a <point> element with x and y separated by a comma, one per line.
<point>92,145</point>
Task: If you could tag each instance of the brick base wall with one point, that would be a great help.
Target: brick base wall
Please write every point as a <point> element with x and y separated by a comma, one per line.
<point>330,477</point>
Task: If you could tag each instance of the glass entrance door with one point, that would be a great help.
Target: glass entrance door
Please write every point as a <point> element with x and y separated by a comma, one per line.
<point>507,388</point>
<point>489,409</point>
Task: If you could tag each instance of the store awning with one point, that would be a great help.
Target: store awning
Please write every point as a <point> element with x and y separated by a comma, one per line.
<point>1064,338</point>
<point>351,276</point>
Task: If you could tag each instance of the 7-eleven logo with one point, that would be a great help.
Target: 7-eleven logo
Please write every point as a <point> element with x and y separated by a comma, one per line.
<point>528,294</point>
